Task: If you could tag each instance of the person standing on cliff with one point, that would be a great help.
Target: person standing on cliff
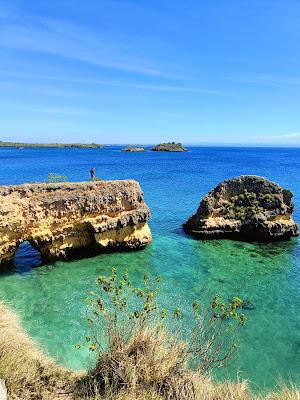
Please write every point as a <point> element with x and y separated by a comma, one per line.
<point>92,173</point>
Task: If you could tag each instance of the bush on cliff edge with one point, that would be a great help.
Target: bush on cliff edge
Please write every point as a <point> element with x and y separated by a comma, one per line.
<point>135,349</point>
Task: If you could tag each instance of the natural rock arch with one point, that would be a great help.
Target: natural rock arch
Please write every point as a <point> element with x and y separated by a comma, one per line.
<point>70,220</point>
<point>26,257</point>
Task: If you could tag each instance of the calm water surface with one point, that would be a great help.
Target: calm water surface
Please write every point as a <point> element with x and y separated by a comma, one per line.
<point>49,299</point>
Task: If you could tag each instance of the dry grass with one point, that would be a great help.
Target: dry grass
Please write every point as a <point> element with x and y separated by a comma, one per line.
<point>284,393</point>
<point>28,373</point>
<point>206,389</point>
<point>144,368</point>
<point>147,359</point>
<point>150,361</point>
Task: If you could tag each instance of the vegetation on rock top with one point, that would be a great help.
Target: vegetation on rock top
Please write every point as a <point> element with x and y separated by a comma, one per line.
<point>245,208</point>
<point>55,178</point>
<point>247,205</point>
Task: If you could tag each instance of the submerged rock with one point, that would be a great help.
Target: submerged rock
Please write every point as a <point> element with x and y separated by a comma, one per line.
<point>245,208</point>
<point>70,220</point>
<point>248,305</point>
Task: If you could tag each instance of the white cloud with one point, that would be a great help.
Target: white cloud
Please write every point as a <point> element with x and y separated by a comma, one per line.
<point>76,42</point>
<point>120,84</point>
<point>35,109</point>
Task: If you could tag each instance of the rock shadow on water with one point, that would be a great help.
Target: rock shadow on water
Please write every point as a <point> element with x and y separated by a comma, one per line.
<point>228,261</point>
<point>228,268</point>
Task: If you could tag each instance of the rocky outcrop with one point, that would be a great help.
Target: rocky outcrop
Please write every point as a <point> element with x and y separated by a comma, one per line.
<point>70,220</point>
<point>245,208</point>
<point>134,149</point>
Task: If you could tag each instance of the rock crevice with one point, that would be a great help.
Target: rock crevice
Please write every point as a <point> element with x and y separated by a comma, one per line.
<point>70,220</point>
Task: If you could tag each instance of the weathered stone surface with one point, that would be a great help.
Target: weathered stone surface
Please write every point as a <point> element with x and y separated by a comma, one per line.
<point>69,220</point>
<point>245,208</point>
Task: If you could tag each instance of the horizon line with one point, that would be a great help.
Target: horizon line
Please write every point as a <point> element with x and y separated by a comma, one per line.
<point>190,144</point>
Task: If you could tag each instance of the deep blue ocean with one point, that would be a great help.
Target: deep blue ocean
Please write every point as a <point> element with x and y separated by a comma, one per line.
<point>49,299</point>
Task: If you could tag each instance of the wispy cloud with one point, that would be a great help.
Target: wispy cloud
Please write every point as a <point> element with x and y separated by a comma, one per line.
<point>294,135</point>
<point>35,109</point>
<point>75,42</point>
<point>279,139</point>
<point>119,84</point>
<point>268,79</point>
<point>32,109</point>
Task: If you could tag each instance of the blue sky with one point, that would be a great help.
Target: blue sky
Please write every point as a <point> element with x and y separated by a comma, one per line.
<point>145,71</point>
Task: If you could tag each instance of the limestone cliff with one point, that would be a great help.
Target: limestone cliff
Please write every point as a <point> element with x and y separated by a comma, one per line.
<point>69,220</point>
<point>246,208</point>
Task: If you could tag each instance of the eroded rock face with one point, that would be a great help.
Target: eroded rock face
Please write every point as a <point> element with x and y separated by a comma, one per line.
<point>70,220</point>
<point>245,208</point>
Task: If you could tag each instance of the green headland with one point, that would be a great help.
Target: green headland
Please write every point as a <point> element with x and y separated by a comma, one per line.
<point>52,145</point>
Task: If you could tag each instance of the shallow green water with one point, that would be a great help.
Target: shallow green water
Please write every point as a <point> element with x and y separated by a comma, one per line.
<point>49,299</point>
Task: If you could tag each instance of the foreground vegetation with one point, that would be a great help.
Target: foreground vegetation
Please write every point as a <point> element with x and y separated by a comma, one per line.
<point>53,145</point>
<point>137,357</point>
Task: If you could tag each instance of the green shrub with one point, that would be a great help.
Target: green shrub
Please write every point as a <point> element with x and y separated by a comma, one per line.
<point>135,347</point>
<point>52,178</point>
<point>98,179</point>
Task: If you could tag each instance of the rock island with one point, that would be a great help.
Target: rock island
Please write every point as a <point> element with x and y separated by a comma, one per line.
<point>134,149</point>
<point>172,147</point>
<point>245,208</point>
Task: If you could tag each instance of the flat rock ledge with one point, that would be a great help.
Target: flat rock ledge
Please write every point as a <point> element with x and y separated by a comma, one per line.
<point>73,220</point>
<point>248,208</point>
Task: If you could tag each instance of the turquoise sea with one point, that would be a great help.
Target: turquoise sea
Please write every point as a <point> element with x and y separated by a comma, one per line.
<point>49,299</point>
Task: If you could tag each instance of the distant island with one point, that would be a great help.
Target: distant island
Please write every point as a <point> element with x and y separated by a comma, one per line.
<point>175,147</point>
<point>134,149</point>
<point>31,145</point>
